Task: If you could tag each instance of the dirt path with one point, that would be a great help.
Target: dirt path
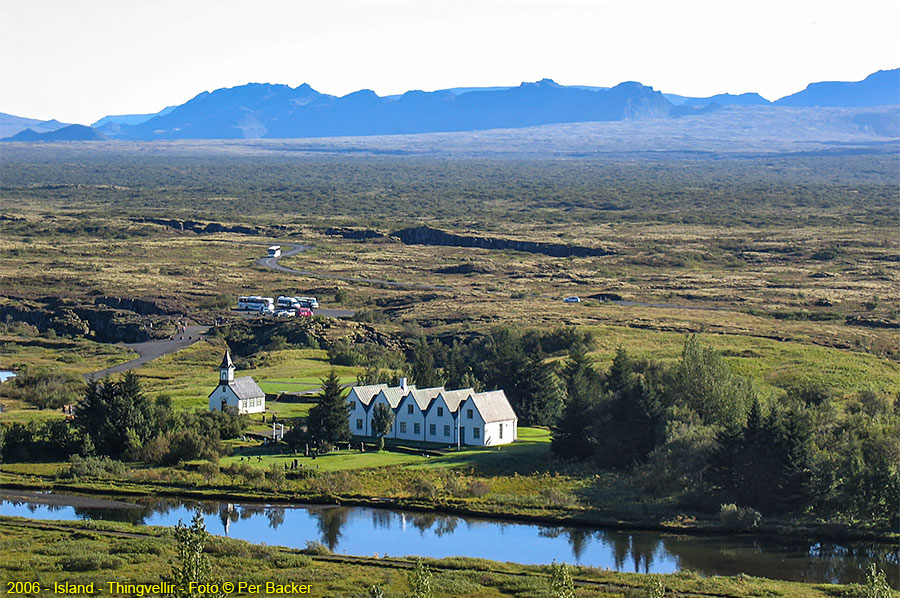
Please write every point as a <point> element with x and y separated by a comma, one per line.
<point>150,350</point>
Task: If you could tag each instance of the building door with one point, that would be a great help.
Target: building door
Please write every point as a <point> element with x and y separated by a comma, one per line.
<point>222,407</point>
<point>462,435</point>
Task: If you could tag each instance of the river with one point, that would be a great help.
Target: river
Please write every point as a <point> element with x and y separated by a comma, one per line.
<point>367,531</point>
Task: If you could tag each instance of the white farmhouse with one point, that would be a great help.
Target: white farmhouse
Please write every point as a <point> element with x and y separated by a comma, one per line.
<point>487,419</point>
<point>409,416</point>
<point>441,416</point>
<point>390,397</point>
<point>460,417</point>
<point>358,405</point>
<point>244,394</point>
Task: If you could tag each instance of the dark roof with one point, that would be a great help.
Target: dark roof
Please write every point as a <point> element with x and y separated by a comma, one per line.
<point>246,388</point>
<point>226,361</point>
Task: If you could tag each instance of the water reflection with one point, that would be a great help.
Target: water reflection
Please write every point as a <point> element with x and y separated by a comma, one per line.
<point>367,531</point>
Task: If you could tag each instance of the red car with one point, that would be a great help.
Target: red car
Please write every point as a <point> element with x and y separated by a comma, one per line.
<point>304,311</point>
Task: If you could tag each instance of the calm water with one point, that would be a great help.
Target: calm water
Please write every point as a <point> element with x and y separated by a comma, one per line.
<point>366,531</point>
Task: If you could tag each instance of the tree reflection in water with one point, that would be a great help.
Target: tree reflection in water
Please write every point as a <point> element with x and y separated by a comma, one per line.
<point>330,522</point>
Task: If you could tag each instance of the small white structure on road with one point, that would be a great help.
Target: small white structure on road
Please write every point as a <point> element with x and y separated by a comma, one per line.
<point>243,394</point>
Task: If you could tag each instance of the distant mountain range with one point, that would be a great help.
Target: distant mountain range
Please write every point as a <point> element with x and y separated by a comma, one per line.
<point>258,110</point>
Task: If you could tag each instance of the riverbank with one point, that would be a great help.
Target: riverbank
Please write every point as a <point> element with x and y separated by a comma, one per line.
<point>544,514</point>
<point>100,551</point>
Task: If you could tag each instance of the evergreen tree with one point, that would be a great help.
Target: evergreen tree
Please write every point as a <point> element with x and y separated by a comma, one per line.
<point>424,374</point>
<point>573,432</point>
<point>329,420</point>
<point>116,414</point>
<point>542,397</point>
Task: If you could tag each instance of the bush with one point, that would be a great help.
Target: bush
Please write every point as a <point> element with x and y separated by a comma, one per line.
<point>45,388</point>
<point>739,518</point>
<point>315,548</point>
<point>479,488</point>
<point>91,562</point>
<point>93,467</point>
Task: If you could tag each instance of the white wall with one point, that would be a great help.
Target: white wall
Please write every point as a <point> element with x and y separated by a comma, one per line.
<point>402,416</point>
<point>439,422</point>
<point>357,411</point>
<point>492,435</point>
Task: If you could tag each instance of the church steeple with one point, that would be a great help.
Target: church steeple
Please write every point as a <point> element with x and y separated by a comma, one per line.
<point>226,370</point>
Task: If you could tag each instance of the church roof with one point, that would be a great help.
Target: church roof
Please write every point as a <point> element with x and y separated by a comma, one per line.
<point>226,361</point>
<point>247,388</point>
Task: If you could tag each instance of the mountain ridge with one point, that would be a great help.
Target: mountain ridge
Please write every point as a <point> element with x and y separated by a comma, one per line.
<point>267,111</point>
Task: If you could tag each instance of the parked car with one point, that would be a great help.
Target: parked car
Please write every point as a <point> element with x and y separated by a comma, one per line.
<point>284,313</point>
<point>572,299</point>
<point>304,311</point>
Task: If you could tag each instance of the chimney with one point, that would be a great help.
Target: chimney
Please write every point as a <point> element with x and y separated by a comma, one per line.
<point>403,384</point>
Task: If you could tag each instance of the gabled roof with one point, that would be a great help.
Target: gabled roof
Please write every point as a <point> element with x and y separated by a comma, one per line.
<point>454,397</point>
<point>424,396</point>
<point>246,388</point>
<point>493,406</point>
<point>226,361</point>
<point>393,395</point>
<point>368,392</point>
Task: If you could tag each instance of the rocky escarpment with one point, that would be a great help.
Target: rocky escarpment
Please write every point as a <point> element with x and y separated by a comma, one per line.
<point>208,227</point>
<point>108,319</point>
<point>423,235</point>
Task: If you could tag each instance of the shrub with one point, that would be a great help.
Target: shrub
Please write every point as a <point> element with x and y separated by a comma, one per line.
<point>93,467</point>
<point>315,548</point>
<point>91,562</point>
<point>739,518</point>
<point>479,488</point>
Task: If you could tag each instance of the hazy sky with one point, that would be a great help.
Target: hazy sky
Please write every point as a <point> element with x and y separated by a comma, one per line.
<point>78,60</point>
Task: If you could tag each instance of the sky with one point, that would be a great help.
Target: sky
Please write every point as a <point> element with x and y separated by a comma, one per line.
<point>79,60</point>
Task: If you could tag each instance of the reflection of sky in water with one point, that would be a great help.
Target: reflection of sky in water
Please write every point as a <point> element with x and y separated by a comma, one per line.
<point>365,531</point>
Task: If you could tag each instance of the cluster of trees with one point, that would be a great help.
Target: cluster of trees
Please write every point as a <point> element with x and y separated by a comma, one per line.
<point>44,388</point>
<point>695,428</point>
<point>116,419</point>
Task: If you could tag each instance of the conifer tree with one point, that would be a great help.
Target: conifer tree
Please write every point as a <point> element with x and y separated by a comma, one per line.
<point>329,420</point>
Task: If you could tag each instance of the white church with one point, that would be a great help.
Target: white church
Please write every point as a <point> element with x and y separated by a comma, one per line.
<point>244,394</point>
<point>453,417</point>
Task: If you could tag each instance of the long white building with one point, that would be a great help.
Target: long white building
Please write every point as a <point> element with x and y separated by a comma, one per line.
<point>460,417</point>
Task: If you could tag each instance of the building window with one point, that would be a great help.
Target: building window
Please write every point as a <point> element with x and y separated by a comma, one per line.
<point>446,430</point>
<point>417,428</point>
<point>476,432</point>
<point>403,427</point>
<point>352,405</point>
<point>432,429</point>
<point>501,431</point>
<point>359,424</point>
<point>440,412</point>
<point>468,414</point>
<point>409,409</point>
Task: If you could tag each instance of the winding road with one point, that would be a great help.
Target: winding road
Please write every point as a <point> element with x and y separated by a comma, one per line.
<point>150,350</point>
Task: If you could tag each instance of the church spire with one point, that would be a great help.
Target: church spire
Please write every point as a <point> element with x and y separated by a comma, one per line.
<point>226,370</point>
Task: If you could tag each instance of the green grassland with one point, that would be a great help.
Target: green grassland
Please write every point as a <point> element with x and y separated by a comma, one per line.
<point>100,552</point>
